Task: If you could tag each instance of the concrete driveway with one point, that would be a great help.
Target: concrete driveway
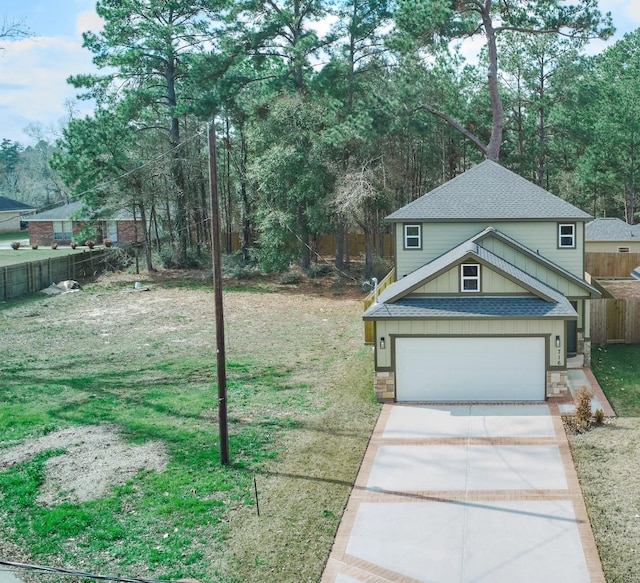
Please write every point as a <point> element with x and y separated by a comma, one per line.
<point>466,493</point>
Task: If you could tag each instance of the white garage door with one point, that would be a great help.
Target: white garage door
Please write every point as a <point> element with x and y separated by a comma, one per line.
<point>470,369</point>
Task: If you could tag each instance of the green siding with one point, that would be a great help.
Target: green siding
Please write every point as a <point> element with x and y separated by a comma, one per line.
<point>490,282</point>
<point>534,268</point>
<point>539,236</point>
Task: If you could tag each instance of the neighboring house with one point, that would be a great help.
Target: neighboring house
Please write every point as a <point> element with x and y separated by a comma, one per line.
<point>489,297</point>
<point>611,236</point>
<point>11,213</point>
<point>63,223</point>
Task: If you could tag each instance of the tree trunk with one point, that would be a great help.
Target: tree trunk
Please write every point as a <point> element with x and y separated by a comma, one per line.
<point>340,232</point>
<point>497,112</point>
<point>305,254</point>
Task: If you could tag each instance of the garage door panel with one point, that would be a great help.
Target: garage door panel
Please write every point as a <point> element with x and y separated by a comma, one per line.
<point>470,369</point>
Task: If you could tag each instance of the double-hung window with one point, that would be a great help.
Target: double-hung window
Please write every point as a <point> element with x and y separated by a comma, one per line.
<point>413,237</point>
<point>62,231</point>
<point>566,236</point>
<point>470,277</point>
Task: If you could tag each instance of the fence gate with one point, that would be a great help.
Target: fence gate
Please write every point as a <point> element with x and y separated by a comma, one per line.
<point>616,316</point>
<point>615,321</point>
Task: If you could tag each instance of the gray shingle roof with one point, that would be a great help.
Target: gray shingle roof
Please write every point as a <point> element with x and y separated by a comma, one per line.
<point>471,307</point>
<point>488,191</point>
<point>611,230</point>
<point>8,204</point>
<point>60,213</point>
<point>77,211</point>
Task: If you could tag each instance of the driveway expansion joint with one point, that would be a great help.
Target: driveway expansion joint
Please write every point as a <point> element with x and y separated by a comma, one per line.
<point>357,557</point>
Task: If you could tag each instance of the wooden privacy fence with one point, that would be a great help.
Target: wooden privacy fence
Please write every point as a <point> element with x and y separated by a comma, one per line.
<point>615,321</point>
<point>605,265</point>
<point>369,329</point>
<point>326,244</point>
<point>26,278</point>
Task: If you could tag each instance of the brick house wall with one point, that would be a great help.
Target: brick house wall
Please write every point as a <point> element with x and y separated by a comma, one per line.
<point>127,232</point>
<point>41,232</point>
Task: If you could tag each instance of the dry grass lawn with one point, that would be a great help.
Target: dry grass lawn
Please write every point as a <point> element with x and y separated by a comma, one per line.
<point>301,412</point>
<point>607,460</point>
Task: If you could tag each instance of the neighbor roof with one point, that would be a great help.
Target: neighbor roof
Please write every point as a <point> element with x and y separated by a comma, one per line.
<point>610,229</point>
<point>488,191</point>
<point>77,211</point>
<point>8,204</point>
<point>60,213</point>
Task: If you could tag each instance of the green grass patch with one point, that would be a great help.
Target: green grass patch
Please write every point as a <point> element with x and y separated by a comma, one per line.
<point>25,254</point>
<point>617,368</point>
<point>13,236</point>
<point>300,413</point>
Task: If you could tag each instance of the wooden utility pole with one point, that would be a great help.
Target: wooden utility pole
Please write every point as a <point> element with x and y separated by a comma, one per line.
<point>217,288</point>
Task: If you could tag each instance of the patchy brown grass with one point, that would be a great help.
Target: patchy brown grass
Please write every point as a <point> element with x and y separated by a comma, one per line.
<point>316,424</point>
<point>622,289</point>
<point>607,460</point>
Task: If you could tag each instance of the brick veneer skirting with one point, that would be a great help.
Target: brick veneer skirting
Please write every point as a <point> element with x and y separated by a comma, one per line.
<point>557,383</point>
<point>385,386</point>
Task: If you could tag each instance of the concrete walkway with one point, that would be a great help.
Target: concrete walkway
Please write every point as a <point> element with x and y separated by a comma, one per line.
<point>7,575</point>
<point>466,493</point>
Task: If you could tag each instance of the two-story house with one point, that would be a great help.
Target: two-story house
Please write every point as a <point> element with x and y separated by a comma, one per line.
<point>489,297</point>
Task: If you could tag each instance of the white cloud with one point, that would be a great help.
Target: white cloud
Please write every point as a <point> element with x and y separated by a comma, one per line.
<point>88,20</point>
<point>33,87</point>
<point>633,11</point>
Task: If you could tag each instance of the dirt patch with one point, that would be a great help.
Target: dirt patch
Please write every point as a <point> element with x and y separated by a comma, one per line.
<point>622,289</point>
<point>95,459</point>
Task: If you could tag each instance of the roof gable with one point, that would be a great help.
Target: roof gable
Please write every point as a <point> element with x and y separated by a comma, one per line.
<point>467,251</point>
<point>488,191</point>
<point>491,232</point>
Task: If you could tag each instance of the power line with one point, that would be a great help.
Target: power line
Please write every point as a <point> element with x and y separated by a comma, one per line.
<point>74,573</point>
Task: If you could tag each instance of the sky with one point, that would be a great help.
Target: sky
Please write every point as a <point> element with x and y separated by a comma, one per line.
<point>34,70</point>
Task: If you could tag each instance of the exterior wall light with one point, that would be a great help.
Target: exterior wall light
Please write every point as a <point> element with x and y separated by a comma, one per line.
<point>382,342</point>
<point>557,341</point>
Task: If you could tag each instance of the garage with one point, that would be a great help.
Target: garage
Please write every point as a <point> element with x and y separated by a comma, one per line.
<point>470,369</point>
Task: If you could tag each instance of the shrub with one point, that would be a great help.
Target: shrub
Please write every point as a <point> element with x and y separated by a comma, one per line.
<point>90,243</point>
<point>34,245</point>
<point>319,270</point>
<point>54,244</point>
<point>108,243</point>
<point>236,266</point>
<point>570,423</point>
<point>583,398</point>
<point>290,278</point>
<point>15,245</point>
<point>598,416</point>
<point>73,244</point>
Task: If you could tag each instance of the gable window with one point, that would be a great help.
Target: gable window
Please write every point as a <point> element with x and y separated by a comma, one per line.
<point>62,231</point>
<point>413,237</point>
<point>566,236</point>
<point>470,277</point>
<point>623,250</point>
